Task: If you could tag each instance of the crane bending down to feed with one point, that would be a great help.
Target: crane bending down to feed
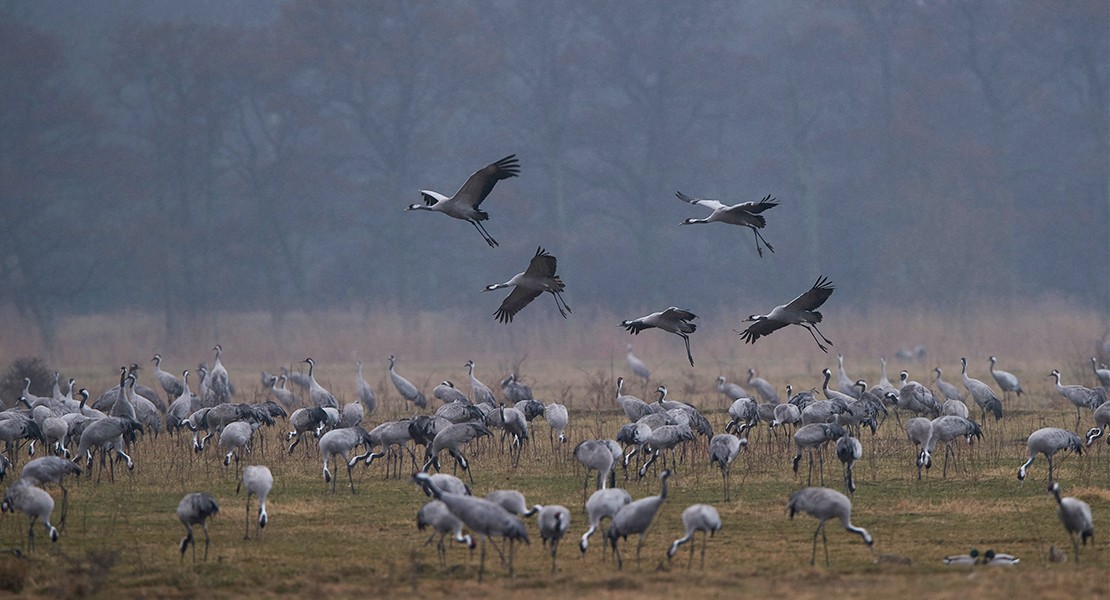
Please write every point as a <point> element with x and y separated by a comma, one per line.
<point>1075,514</point>
<point>673,320</point>
<point>538,278</point>
<point>1049,441</point>
<point>464,204</point>
<point>824,504</point>
<point>258,480</point>
<point>799,311</point>
<point>696,517</point>
<point>636,517</point>
<point>194,509</point>
<point>745,214</point>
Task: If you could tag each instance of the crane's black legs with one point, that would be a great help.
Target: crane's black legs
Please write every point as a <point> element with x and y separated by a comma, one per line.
<point>810,329</point>
<point>758,238</point>
<point>686,339</point>
<point>485,234</point>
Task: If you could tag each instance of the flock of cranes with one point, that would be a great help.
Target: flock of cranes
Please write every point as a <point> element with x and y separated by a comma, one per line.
<point>451,420</point>
<point>654,431</point>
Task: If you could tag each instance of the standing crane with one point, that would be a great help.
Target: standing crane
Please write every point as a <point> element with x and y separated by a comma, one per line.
<point>636,518</point>
<point>1006,380</point>
<point>824,504</point>
<point>405,387</point>
<point>1075,514</point>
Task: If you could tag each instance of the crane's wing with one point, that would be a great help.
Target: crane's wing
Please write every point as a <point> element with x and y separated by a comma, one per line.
<point>481,182</point>
<point>678,313</point>
<point>542,265</point>
<point>813,298</point>
<point>759,329</point>
<point>514,302</point>
<point>710,204</point>
<point>756,207</point>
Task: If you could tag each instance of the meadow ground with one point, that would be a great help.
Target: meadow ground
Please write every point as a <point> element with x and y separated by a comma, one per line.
<point>121,537</point>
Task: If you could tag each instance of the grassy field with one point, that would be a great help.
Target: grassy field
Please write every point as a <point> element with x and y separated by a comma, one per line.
<point>121,537</point>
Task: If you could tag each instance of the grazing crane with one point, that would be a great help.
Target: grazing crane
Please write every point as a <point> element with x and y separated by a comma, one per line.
<point>557,417</point>
<point>1049,441</point>
<point>1101,373</point>
<point>982,393</point>
<point>259,481</point>
<point>723,449</point>
<point>320,396</point>
<point>920,430</point>
<point>102,434</point>
<point>1102,423</point>
<point>814,437</point>
<point>170,384</point>
<point>405,387</point>
<point>538,278</point>
<point>846,384</point>
<point>235,437</point>
<point>481,516</point>
<point>33,502</point>
<point>849,450</point>
<point>436,515</point>
<point>446,392</point>
<point>512,501</point>
<point>1006,380</point>
<point>946,429</point>
<point>365,391</point>
<point>452,438</point>
<point>553,521</point>
<point>479,391</point>
<point>763,388</point>
<point>639,369</point>
<point>1075,514</point>
<point>696,517</point>
<point>339,443</point>
<point>824,504</point>
<point>595,456</point>
<point>1079,396</point>
<point>304,420</point>
<point>673,320</point>
<point>745,214</point>
<point>664,438</point>
<point>799,311</point>
<point>464,204</point>
<point>636,518</point>
<point>51,469</point>
<point>195,509</point>
<point>604,503</point>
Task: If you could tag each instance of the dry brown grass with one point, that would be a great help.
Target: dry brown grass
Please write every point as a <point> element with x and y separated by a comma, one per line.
<point>121,538</point>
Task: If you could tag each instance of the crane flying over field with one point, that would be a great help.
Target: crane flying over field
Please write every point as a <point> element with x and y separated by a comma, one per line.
<point>745,214</point>
<point>464,204</point>
<point>538,278</point>
<point>800,311</point>
<point>674,320</point>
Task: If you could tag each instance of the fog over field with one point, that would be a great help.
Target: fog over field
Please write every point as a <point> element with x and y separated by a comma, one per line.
<point>190,161</point>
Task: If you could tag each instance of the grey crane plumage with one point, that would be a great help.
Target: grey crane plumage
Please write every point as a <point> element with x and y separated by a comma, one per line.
<point>452,438</point>
<point>981,393</point>
<point>846,384</point>
<point>365,391</point>
<point>786,414</point>
<point>479,391</point>
<point>637,366</point>
<point>217,384</point>
<point>447,392</point>
<point>51,469</point>
<point>673,320</point>
<point>436,515</point>
<point>723,450</point>
<point>949,391</point>
<point>1007,381</point>
<point>1049,441</point>
<point>553,522</point>
<point>558,418</point>
<point>339,443</point>
<point>405,387</point>
<point>481,516</point>
<point>1075,515</point>
<point>763,387</point>
<point>304,420</point>
<point>813,437</point>
<point>1102,423</point>
<point>464,204</point>
<point>636,518</point>
<point>529,284</point>
<point>195,509</point>
<point>1102,374</point>
<point>919,430</point>
<point>236,437</point>
<point>801,311</point>
<point>744,214</point>
<point>824,504</point>
<point>512,501</point>
<point>664,438</point>
<point>730,390</point>
<point>34,502</point>
<point>633,407</point>
<point>319,395</point>
<point>102,434</point>
<point>604,503</point>
<point>169,384</point>
<point>696,517</point>
<point>595,456</point>
<point>947,429</point>
<point>849,450</point>
<point>1080,396</point>
<point>281,393</point>
<point>259,481</point>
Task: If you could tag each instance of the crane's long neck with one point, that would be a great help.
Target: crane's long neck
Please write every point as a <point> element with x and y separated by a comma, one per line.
<point>825,385</point>
<point>1056,375</point>
<point>663,486</point>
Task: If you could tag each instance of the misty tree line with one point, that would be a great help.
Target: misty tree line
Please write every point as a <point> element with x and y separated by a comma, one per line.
<point>930,153</point>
